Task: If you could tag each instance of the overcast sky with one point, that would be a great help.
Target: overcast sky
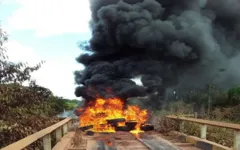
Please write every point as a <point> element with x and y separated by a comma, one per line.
<point>47,30</point>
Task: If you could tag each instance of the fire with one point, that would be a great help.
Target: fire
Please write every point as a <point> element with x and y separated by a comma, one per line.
<point>121,124</point>
<point>100,111</point>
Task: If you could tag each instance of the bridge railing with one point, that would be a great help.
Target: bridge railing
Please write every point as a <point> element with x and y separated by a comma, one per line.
<point>203,127</point>
<point>60,129</point>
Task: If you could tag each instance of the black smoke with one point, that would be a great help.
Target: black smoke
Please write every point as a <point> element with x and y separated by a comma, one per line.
<point>165,42</point>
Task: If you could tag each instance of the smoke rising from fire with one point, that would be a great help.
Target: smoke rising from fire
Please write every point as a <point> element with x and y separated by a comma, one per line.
<point>166,42</point>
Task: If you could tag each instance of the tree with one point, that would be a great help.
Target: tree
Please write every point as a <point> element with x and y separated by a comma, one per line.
<point>24,109</point>
<point>13,72</point>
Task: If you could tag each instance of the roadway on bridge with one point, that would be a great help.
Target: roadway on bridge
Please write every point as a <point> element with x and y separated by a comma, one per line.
<point>120,141</point>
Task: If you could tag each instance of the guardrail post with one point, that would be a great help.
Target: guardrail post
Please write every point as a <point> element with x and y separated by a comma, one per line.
<point>236,140</point>
<point>181,127</point>
<point>65,129</point>
<point>195,114</point>
<point>203,133</point>
<point>58,134</point>
<point>47,142</point>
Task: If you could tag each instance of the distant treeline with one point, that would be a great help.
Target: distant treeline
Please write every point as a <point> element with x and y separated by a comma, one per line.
<point>67,104</point>
<point>219,98</point>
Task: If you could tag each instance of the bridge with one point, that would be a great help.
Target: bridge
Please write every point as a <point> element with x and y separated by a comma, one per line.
<point>67,139</point>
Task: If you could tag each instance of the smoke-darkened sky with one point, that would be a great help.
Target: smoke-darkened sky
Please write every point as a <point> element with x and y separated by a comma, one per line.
<point>165,42</point>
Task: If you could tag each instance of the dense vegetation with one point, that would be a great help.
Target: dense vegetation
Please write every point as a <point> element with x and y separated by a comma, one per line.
<point>25,107</point>
<point>66,104</point>
<point>219,98</point>
<point>226,108</point>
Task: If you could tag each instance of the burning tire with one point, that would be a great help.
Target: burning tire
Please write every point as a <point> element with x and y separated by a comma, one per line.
<point>115,121</point>
<point>84,128</point>
<point>90,133</point>
<point>122,128</point>
<point>147,127</point>
<point>131,125</point>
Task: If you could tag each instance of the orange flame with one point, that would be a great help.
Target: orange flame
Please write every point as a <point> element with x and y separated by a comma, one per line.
<point>101,110</point>
<point>121,124</point>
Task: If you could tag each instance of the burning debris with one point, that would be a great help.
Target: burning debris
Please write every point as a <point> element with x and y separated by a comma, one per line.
<point>109,115</point>
<point>165,43</point>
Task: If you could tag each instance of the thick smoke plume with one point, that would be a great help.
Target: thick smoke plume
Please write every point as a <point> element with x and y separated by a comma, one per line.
<point>167,43</point>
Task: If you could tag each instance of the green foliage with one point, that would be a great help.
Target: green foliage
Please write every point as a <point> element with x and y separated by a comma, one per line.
<point>233,91</point>
<point>60,104</point>
<point>70,104</point>
<point>234,96</point>
<point>24,109</point>
<point>220,98</point>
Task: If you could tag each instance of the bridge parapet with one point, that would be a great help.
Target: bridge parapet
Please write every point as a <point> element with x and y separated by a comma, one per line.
<point>60,129</point>
<point>203,127</point>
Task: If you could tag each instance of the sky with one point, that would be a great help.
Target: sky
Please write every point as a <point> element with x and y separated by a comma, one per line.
<point>48,30</point>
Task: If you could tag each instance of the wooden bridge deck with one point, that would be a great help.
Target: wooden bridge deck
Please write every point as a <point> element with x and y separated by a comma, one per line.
<point>125,140</point>
<point>121,141</point>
